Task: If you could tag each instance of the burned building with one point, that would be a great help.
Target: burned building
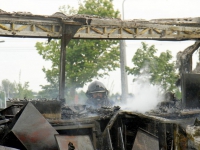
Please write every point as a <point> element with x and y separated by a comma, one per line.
<point>50,124</point>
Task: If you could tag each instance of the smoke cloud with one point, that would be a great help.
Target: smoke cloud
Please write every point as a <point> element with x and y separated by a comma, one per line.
<point>145,96</point>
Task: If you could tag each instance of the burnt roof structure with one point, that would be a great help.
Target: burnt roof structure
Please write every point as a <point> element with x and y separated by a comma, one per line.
<point>25,24</point>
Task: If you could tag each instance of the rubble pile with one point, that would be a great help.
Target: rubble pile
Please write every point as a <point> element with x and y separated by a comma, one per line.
<point>82,111</point>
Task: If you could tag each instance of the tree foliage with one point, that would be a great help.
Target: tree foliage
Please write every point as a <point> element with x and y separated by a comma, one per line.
<point>14,90</point>
<point>85,59</point>
<point>22,91</point>
<point>161,69</point>
<point>8,88</point>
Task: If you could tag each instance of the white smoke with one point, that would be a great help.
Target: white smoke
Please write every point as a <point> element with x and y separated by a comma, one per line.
<point>145,97</point>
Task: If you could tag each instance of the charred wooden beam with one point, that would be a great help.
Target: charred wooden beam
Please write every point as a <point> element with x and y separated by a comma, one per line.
<point>121,141</point>
<point>162,136</point>
<point>94,27</point>
<point>110,147</point>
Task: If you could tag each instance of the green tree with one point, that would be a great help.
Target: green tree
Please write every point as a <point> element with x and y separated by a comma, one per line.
<point>48,92</point>
<point>2,95</point>
<point>22,91</point>
<point>85,59</point>
<point>161,69</point>
<point>8,88</point>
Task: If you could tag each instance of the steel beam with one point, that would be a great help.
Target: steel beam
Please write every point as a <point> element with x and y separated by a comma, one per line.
<point>67,34</point>
<point>38,26</point>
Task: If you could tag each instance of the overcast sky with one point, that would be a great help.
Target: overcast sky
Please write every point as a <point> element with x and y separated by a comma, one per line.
<point>20,61</point>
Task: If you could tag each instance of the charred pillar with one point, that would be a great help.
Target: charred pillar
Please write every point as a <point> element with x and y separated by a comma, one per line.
<point>162,136</point>
<point>68,32</point>
<point>189,81</point>
<point>62,65</point>
<point>190,90</point>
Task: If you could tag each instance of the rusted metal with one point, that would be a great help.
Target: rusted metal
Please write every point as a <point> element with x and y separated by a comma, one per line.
<point>32,130</point>
<point>80,142</point>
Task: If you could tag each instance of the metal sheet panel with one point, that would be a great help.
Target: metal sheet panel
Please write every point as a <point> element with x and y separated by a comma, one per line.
<point>80,142</point>
<point>33,130</point>
<point>7,148</point>
<point>145,141</point>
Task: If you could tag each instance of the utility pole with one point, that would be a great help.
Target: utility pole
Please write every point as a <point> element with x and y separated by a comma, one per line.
<point>124,81</point>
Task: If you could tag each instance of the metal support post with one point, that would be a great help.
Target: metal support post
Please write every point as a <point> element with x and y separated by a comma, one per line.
<point>124,82</point>
<point>62,66</point>
<point>68,32</point>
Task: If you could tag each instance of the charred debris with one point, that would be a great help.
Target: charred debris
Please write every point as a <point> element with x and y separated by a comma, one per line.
<point>50,125</point>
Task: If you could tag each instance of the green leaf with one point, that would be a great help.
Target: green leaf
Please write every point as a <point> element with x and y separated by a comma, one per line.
<point>85,59</point>
<point>160,68</point>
